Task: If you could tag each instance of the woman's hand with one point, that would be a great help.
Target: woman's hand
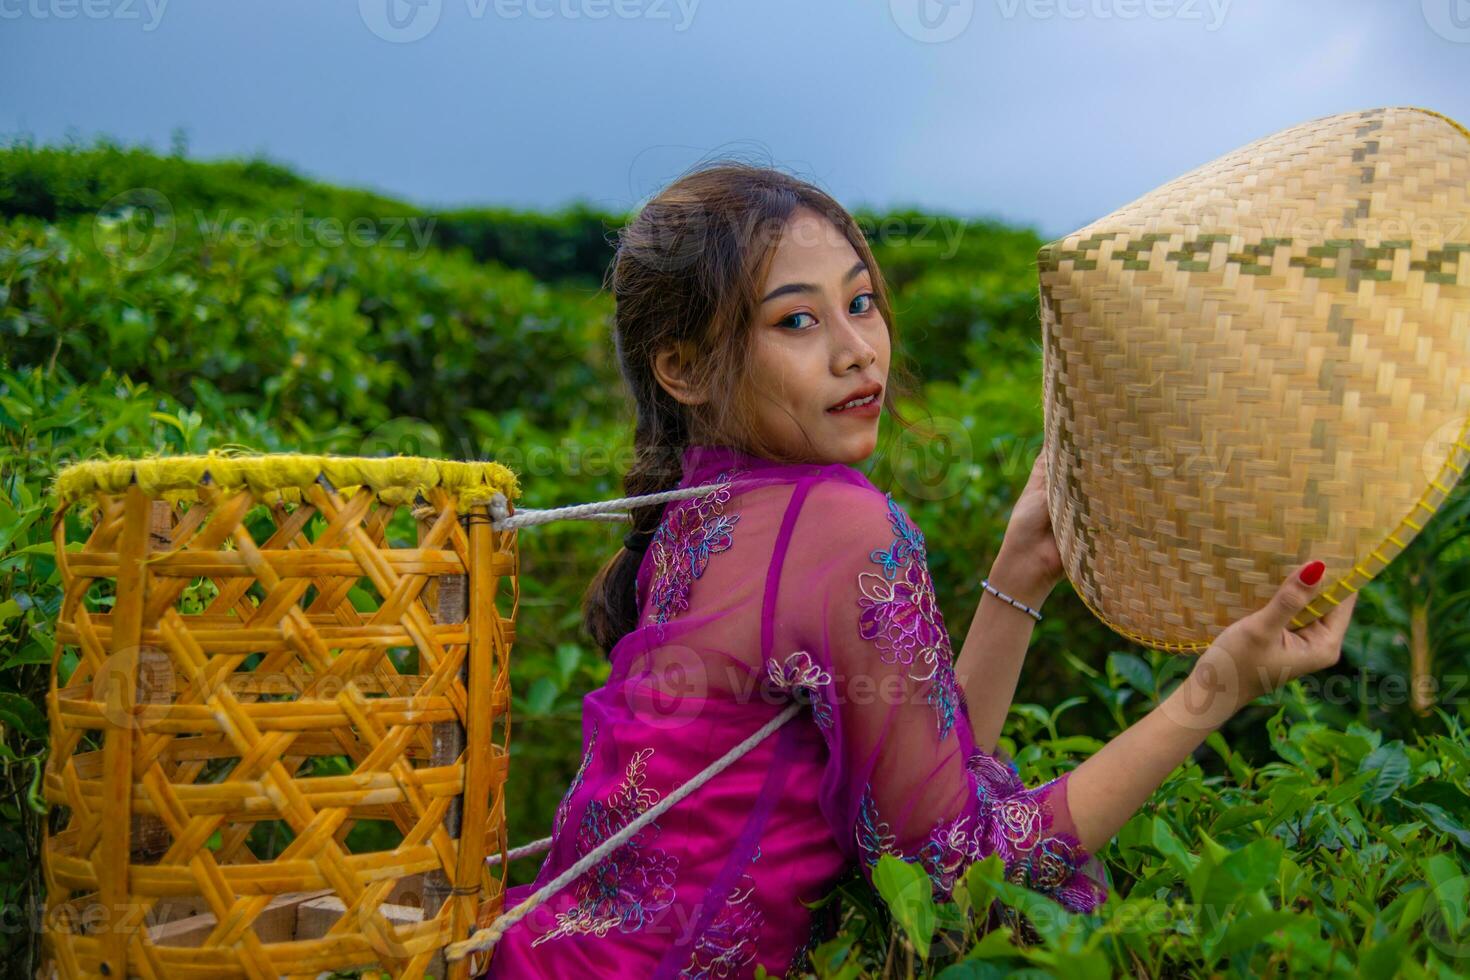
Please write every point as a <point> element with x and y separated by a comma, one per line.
<point>1251,656</point>
<point>1029,562</point>
<point>1260,652</point>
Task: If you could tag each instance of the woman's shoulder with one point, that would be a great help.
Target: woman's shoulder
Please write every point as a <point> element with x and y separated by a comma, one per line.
<point>847,532</point>
<point>847,505</point>
<point>862,586</point>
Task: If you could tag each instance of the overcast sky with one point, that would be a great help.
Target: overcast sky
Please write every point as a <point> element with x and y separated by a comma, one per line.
<point>1044,112</point>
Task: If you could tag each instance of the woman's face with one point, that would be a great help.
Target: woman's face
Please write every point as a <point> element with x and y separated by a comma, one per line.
<point>818,342</point>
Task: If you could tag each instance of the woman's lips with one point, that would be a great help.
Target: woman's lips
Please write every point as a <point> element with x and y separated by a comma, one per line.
<point>868,410</point>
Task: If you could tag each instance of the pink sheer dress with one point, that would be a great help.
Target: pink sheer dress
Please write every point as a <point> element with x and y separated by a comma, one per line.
<point>791,581</point>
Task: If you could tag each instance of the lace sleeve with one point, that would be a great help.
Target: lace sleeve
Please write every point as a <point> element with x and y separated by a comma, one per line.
<point>905,777</point>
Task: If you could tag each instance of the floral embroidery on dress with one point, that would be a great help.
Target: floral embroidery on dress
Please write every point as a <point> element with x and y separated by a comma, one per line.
<point>950,847</point>
<point>728,943</point>
<point>993,773</point>
<point>1020,831</point>
<point>629,884</point>
<point>691,531</point>
<point>798,674</point>
<point>874,836</point>
<point>1036,856</point>
<point>901,615</point>
<point>566,801</point>
<point>909,541</point>
<point>944,694</point>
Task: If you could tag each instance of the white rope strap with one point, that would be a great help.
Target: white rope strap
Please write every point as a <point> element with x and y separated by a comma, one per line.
<point>602,510</point>
<point>535,847</point>
<point>489,936</point>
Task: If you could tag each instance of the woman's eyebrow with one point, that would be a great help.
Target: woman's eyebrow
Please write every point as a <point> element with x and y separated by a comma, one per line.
<point>806,287</point>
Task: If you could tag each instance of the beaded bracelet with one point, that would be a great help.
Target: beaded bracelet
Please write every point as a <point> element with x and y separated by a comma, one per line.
<point>1015,602</point>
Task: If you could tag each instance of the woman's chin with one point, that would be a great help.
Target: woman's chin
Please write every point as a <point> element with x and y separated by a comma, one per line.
<point>855,447</point>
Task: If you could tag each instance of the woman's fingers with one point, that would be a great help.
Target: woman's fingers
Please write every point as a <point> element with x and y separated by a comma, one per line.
<point>1337,618</point>
<point>1291,597</point>
<point>1260,652</point>
<point>1323,636</point>
<point>1335,621</point>
<point>1038,472</point>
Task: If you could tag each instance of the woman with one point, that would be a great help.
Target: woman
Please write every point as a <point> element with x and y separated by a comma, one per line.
<point>755,334</point>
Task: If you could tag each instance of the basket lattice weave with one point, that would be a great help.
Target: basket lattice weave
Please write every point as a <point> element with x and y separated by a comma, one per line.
<point>1259,363</point>
<point>280,663</point>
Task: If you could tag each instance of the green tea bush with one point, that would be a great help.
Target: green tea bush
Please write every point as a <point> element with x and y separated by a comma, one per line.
<point>1343,855</point>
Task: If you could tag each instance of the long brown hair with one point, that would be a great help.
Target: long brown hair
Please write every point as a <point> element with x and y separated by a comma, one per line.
<point>687,276</point>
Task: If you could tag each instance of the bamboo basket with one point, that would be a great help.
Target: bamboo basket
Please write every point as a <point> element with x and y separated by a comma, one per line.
<point>277,669</point>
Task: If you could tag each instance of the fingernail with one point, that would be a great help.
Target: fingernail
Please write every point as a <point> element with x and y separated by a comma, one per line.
<point>1312,572</point>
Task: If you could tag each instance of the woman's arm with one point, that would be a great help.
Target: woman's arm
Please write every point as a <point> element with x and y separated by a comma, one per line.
<point>1109,787</point>
<point>989,663</point>
<point>1249,658</point>
<point>1028,567</point>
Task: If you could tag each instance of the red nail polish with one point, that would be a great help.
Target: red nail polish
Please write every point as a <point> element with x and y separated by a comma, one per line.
<point>1312,572</point>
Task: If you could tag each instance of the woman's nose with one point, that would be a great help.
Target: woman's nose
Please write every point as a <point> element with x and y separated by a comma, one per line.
<point>853,346</point>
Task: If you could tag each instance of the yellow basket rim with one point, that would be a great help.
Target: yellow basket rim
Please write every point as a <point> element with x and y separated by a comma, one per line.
<point>276,475</point>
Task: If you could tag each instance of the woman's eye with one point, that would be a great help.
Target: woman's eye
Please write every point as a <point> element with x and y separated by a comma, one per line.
<point>871,299</point>
<point>787,322</point>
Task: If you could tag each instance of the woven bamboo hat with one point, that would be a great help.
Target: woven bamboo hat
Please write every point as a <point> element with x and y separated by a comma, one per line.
<point>1263,361</point>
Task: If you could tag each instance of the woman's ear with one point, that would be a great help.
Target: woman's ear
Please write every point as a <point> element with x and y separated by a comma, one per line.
<point>672,366</point>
